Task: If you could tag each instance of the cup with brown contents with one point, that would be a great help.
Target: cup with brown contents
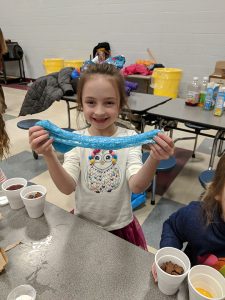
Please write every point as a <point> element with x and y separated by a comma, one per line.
<point>34,200</point>
<point>172,266</point>
<point>11,188</point>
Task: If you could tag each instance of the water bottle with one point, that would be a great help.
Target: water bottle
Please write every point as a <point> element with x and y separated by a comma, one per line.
<point>203,91</point>
<point>193,93</point>
<point>218,110</point>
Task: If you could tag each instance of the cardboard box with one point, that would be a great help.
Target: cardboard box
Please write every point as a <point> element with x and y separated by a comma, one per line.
<point>219,74</point>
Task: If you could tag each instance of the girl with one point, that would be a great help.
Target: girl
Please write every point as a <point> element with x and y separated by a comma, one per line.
<point>202,225</point>
<point>3,50</point>
<point>103,180</point>
<point>4,145</point>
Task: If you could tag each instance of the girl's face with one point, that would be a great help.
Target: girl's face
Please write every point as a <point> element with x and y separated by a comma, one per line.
<point>100,102</point>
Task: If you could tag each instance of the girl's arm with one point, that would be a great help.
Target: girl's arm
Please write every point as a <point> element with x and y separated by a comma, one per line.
<point>163,149</point>
<point>171,236</point>
<point>41,144</point>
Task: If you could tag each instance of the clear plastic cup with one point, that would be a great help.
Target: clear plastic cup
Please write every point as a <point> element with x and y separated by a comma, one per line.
<point>22,292</point>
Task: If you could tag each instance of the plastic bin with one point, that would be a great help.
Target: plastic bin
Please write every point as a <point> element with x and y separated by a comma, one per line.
<point>52,65</point>
<point>166,81</point>
<point>78,63</point>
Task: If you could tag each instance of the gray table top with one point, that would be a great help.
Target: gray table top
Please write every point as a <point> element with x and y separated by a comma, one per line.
<point>65,257</point>
<point>138,103</point>
<point>177,110</point>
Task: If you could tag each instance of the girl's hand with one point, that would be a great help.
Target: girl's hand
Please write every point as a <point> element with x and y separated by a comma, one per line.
<point>164,147</point>
<point>154,273</point>
<point>39,141</point>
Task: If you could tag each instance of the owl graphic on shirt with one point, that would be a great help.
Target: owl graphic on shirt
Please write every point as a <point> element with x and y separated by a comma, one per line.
<point>103,173</point>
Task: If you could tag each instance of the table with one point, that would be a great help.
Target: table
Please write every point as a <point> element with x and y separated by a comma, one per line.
<point>177,110</point>
<point>144,82</point>
<point>66,257</point>
<point>138,103</point>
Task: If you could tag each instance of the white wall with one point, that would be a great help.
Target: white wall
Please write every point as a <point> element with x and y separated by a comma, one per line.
<point>187,34</point>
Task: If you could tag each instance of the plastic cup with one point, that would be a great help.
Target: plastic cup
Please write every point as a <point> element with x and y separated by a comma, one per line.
<point>169,284</point>
<point>35,206</point>
<point>26,292</point>
<point>13,196</point>
<point>208,279</point>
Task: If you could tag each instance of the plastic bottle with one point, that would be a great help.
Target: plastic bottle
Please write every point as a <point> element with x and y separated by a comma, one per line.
<point>218,110</point>
<point>193,93</point>
<point>203,91</point>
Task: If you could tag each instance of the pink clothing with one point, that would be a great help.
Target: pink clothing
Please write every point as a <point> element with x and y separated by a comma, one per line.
<point>132,233</point>
<point>136,69</point>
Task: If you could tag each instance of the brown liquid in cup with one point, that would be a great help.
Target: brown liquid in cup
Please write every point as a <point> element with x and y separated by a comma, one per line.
<point>14,187</point>
<point>34,195</point>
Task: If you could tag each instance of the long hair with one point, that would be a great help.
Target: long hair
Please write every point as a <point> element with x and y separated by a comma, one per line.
<point>212,197</point>
<point>110,72</point>
<point>4,140</point>
<point>3,47</point>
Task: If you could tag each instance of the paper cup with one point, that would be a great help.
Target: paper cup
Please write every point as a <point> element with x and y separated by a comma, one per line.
<point>169,284</point>
<point>208,279</point>
<point>35,206</point>
<point>22,291</point>
<point>13,196</point>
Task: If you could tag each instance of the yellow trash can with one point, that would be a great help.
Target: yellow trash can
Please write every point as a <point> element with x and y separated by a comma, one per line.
<point>78,63</point>
<point>52,65</point>
<point>166,81</point>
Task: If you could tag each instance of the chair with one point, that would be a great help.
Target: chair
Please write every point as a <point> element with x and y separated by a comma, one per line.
<point>206,177</point>
<point>26,124</point>
<point>164,165</point>
<point>197,130</point>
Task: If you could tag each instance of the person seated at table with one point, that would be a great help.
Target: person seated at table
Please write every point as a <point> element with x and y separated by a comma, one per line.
<point>103,179</point>
<point>202,225</point>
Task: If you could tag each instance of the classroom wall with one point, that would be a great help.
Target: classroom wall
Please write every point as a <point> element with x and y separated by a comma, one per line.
<point>186,34</point>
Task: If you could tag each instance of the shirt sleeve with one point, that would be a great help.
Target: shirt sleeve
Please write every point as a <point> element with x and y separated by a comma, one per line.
<point>72,163</point>
<point>174,229</point>
<point>134,160</point>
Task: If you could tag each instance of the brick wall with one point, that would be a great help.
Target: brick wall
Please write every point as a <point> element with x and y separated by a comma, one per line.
<point>185,34</point>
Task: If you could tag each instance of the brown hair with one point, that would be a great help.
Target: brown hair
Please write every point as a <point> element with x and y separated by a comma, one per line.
<point>215,189</point>
<point>4,141</point>
<point>108,71</point>
<point>3,47</point>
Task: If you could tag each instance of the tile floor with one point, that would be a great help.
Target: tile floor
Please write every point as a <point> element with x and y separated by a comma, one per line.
<point>183,189</point>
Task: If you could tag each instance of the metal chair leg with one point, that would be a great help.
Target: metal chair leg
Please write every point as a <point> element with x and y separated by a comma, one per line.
<point>153,190</point>
<point>195,145</point>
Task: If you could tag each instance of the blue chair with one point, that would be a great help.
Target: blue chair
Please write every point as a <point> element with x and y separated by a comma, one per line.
<point>206,177</point>
<point>26,124</point>
<point>137,199</point>
<point>164,165</point>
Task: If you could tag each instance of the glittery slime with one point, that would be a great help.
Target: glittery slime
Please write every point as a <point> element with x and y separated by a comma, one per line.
<point>65,141</point>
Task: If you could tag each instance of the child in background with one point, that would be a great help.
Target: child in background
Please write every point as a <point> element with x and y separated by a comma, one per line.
<point>103,179</point>
<point>202,225</point>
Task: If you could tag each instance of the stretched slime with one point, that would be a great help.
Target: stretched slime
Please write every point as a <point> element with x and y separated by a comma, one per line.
<point>65,141</point>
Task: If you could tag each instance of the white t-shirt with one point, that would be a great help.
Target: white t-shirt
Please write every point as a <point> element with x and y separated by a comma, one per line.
<point>102,193</point>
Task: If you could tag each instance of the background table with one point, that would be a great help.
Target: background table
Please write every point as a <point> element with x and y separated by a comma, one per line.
<point>65,257</point>
<point>138,103</point>
<point>178,111</point>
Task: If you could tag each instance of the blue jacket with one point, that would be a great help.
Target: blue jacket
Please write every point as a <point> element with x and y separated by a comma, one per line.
<point>204,243</point>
